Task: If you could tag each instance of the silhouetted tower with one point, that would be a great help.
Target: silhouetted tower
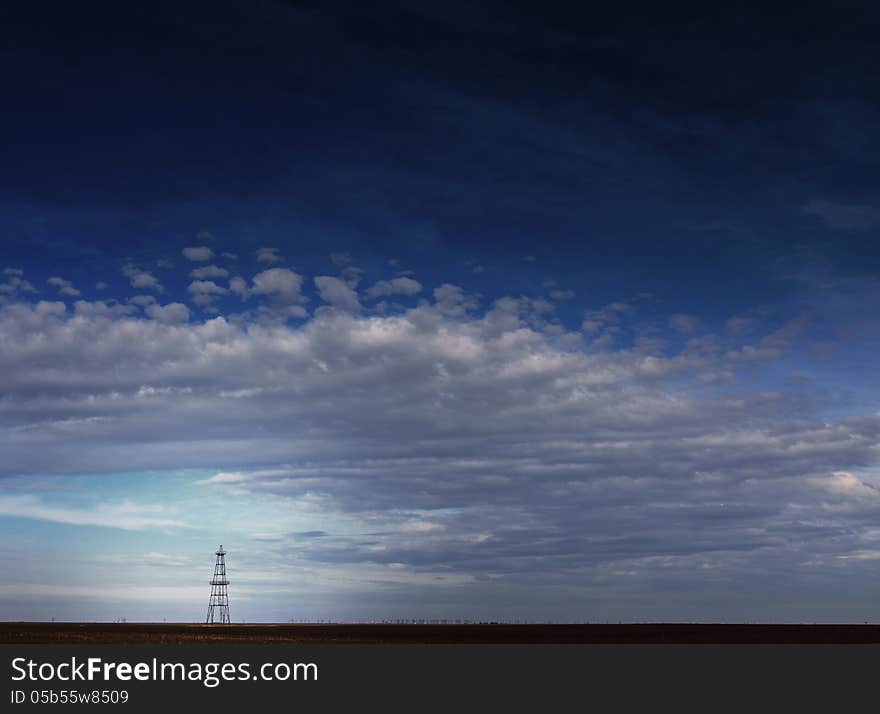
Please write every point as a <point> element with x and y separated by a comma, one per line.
<point>218,606</point>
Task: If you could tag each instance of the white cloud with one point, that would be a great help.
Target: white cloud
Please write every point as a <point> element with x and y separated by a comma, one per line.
<point>141,279</point>
<point>205,292</point>
<point>280,284</point>
<point>170,314</point>
<point>452,300</point>
<point>268,255</point>
<point>238,286</point>
<point>142,300</point>
<point>15,284</point>
<point>337,292</point>
<point>198,254</point>
<point>209,271</point>
<point>105,593</point>
<point>65,287</point>
<point>475,442</point>
<point>208,287</point>
<point>126,515</point>
<point>397,286</point>
<point>107,308</point>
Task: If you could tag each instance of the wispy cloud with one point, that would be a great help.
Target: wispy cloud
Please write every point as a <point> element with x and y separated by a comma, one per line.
<point>126,515</point>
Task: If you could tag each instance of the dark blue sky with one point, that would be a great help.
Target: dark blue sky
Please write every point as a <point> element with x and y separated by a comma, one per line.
<point>677,149</point>
<point>446,307</point>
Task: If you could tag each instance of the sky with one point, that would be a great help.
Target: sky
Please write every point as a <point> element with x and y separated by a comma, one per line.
<point>502,311</point>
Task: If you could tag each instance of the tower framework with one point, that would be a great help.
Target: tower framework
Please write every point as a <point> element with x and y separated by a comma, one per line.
<point>218,605</point>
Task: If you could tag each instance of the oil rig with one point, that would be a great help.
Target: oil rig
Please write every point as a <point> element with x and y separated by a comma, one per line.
<point>218,605</point>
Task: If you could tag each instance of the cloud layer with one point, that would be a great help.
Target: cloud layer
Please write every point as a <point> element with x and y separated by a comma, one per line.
<point>470,442</point>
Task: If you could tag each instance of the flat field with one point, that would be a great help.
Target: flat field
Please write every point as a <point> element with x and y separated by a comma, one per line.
<point>659,633</point>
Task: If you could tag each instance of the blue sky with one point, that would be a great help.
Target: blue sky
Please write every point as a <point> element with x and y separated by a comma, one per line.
<point>506,311</point>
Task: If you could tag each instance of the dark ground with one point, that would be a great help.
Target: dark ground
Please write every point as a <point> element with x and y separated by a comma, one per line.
<point>175,633</point>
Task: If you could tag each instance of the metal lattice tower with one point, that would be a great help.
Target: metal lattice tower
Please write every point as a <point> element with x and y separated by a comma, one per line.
<point>219,601</point>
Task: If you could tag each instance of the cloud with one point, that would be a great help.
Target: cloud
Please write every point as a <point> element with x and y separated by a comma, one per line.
<point>198,254</point>
<point>105,593</point>
<point>468,442</point>
<point>100,285</point>
<point>268,255</point>
<point>280,284</point>
<point>208,287</point>
<point>169,314</point>
<point>739,325</point>
<point>205,292</point>
<point>141,279</point>
<point>65,287</point>
<point>126,515</point>
<point>14,284</point>
<point>606,325</point>
<point>238,286</point>
<point>142,300</point>
<point>209,271</point>
<point>397,286</point>
<point>684,324</point>
<point>452,301</point>
<point>842,216</point>
<point>337,292</point>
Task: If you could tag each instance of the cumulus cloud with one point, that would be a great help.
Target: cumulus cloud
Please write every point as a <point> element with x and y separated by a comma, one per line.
<point>280,284</point>
<point>198,254</point>
<point>268,255</point>
<point>141,279</point>
<point>280,287</point>
<point>65,287</point>
<point>337,292</point>
<point>605,325</point>
<point>477,443</point>
<point>14,284</point>
<point>209,271</point>
<point>205,292</point>
<point>170,314</point>
<point>452,301</point>
<point>142,300</point>
<point>238,286</point>
<point>397,286</point>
